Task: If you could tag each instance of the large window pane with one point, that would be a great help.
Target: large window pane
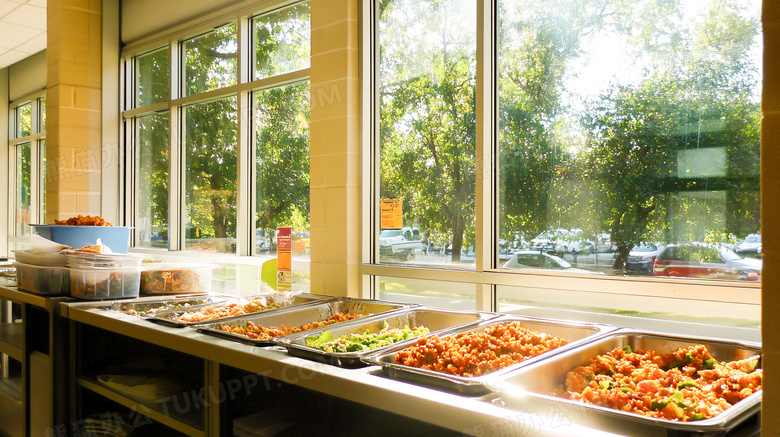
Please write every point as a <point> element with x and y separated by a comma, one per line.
<point>152,77</point>
<point>630,132</point>
<point>151,222</point>
<point>282,136</point>
<point>23,120</point>
<point>282,41</point>
<point>23,189</point>
<point>427,86</point>
<point>211,174</point>
<point>211,60</point>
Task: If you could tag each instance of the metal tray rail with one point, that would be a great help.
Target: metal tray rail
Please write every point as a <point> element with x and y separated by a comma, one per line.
<point>286,300</point>
<point>435,319</point>
<point>577,333</point>
<point>315,312</point>
<point>536,382</point>
<point>187,303</point>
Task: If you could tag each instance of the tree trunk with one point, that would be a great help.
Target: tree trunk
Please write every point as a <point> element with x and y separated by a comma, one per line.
<point>457,241</point>
<point>218,218</point>
<point>621,257</point>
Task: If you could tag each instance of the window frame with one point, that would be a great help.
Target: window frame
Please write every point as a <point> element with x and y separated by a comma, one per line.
<point>486,276</point>
<point>36,138</point>
<point>176,104</point>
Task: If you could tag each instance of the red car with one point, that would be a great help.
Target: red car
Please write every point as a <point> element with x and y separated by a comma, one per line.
<point>693,261</point>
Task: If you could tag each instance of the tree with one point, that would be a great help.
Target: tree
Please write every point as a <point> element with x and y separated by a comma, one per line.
<point>639,135</point>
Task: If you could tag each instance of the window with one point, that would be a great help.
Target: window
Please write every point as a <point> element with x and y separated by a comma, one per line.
<point>211,163</point>
<point>641,135</point>
<point>151,217</point>
<point>565,148</point>
<point>27,163</point>
<point>427,146</point>
<point>220,141</point>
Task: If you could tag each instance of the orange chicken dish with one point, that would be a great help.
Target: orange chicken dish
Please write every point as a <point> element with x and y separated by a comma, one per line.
<point>685,385</point>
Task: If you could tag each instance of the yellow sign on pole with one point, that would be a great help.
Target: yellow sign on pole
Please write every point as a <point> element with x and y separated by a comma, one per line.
<point>392,214</point>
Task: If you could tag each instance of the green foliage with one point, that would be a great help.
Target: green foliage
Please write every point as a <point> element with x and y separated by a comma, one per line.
<point>428,149</point>
<point>282,119</point>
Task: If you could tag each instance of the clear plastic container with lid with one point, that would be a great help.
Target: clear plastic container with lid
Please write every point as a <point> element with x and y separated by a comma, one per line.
<point>101,284</point>
<point>85,261</point>
<point>50,281</point>
<point>176,278</point>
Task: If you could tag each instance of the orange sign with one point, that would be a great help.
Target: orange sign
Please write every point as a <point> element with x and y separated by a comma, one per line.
<point>392,214</point>
<point>283,258</point>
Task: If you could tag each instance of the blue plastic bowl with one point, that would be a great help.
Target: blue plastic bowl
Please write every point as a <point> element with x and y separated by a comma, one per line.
<point>117,238</point>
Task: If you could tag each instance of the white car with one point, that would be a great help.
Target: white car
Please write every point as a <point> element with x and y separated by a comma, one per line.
<point>642,257</point>
<point>751,243</point>
<point>399,243</point>
<point>534,259</point>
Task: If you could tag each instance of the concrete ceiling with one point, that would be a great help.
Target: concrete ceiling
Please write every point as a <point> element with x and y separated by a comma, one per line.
<point>22,29</point>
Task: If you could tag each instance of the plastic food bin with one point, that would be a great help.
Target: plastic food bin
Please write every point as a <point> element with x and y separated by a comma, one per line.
<point>50,281</point>
<point>86,261</point>
<point>117,238</point>
<point>176,278</point>
<point>100,284</point>
<point>40,259</point>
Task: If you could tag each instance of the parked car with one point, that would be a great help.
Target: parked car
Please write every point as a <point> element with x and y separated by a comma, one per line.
<point>547,240</point>
<point>642,257</point>
<point>534,259</point>
<point>750,247</point>
<point>709,262</point>
<point>399,243</point>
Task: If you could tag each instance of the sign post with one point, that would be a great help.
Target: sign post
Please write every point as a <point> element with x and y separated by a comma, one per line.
<point>284,258</point>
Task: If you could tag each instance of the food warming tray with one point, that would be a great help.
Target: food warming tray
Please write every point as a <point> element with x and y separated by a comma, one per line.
<point>315,312</point>
<point>539,381</point>
<point>283,299</point>
<point>169,303</point>
<point>436,320</point>
<point>577,333</point>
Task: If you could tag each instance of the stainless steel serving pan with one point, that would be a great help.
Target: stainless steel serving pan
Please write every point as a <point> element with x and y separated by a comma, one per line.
<point>576,333</point>
<point>436,320</point>
<point>315,312</point>
<point>538,382</point>
<point>180,303</point>
<point>285,300</point>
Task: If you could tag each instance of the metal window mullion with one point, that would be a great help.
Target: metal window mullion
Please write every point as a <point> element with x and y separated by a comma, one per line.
<point>27,139</point>
<point>368,193</point>
<point>176,167</point>
<point>375,147</point>
<point>125,146</point>
<point>34,111</point>
<point>244,207</point>
<point>176,179</point>
<point>270,82</point>
<point>146,110</point>
<point>486,196</point>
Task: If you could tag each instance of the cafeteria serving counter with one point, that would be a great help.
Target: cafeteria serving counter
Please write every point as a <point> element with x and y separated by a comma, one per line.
<point>230,368</point>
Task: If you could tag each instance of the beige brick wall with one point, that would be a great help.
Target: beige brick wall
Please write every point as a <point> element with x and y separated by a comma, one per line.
<point>73,110</point>
<point>335,147</point>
